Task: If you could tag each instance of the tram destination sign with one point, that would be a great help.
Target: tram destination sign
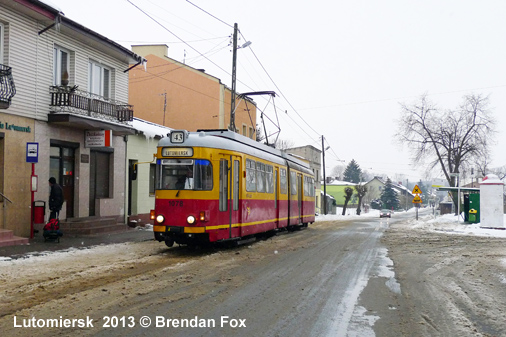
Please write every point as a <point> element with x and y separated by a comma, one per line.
<point>177,152</point>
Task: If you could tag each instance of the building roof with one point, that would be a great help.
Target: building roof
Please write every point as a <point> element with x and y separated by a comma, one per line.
<point>150,130</point>
<point>52,16</point>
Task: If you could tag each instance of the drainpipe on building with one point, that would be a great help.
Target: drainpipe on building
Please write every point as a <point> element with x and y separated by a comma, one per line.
<point>127,177</point>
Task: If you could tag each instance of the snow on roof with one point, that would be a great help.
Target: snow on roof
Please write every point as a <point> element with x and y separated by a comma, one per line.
<point>340,183</point>
<point>150,130</point>
<point>52,5</point>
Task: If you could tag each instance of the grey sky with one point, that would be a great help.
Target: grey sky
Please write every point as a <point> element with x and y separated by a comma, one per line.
<point>342,67</point>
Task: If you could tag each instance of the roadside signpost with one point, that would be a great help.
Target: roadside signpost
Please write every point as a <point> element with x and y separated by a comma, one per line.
<point>32,156</point>
<point>417,200</point>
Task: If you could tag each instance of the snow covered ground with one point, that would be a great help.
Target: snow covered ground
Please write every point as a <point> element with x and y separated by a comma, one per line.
<point>447,223</point>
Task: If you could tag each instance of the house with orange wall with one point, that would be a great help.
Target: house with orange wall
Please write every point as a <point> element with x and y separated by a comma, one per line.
<point>173,94</point>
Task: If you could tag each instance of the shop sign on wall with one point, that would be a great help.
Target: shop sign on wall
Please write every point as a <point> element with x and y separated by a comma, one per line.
<point>101,138</point>
<point>13,127</point>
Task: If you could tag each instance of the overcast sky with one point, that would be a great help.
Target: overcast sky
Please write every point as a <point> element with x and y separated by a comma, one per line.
<point>340,68</point>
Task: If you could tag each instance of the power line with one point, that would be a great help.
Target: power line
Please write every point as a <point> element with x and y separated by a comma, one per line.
<point>180,39</point>
<point>265,70</point>
<point>191,3</point>
<point>184,42</point>
<point>171,42</point>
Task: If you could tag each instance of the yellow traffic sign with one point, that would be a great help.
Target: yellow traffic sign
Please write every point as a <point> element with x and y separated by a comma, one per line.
<point>417,200</point>
<point>416,190</point>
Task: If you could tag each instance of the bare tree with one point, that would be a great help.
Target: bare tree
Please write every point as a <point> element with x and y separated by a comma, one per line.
<point>361,191</point>
<point>283,144</point>
<point>348,193</point>
<point>451,139</point>
<point>499,172</point>
<point>338,171</point>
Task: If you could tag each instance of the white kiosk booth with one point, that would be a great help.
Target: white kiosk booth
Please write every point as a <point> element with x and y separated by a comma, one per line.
<point>491,202</point>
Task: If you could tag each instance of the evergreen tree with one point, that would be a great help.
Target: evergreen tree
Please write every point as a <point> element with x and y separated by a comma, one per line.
<point>389,197</point>
<point>352,173</point>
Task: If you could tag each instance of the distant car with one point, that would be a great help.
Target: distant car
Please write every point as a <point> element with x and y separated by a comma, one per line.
<point>385,213</point>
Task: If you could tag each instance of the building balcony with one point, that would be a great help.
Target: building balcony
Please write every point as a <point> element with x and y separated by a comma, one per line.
<point>71,100</point>
<point>7,87</point>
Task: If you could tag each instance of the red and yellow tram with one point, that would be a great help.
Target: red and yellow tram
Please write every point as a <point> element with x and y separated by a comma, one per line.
<point>217,185</point>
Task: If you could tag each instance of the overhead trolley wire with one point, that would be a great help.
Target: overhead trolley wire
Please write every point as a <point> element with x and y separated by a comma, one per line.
<point>180,39</point>
<point>266,72</point>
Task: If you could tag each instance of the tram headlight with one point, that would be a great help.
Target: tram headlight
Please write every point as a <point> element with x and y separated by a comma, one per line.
<point>160,218</point>
<point>190,219</point>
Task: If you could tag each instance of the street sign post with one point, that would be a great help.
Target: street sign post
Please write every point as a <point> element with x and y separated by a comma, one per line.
<point>417,199</point>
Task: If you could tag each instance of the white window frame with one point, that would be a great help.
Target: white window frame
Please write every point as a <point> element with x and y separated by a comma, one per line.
<point>57,64</point>
<point>2,32</point>
<point>104,89</point>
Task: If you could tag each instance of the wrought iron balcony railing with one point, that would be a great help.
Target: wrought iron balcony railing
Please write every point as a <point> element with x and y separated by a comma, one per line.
<point>7,87</point>
<point>79,102</point>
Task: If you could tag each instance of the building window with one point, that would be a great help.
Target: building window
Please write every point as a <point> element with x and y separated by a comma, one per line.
<point>1,43</point>
<point>99,80</point>
<point>251,133</point>
<point>152,180</point>
<point>61,66</point>
<point>244,130</point>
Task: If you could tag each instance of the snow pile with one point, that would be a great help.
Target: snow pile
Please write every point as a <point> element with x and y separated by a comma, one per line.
<point>447,223</point>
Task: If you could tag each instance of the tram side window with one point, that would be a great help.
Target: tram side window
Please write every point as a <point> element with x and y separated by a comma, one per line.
<point>260,177</point>
<point>293,182</point>
<point>269,183</point>
<point>203,175</point>
<point>250,175</point>
<point>309,186</point>
<point>282,181</point>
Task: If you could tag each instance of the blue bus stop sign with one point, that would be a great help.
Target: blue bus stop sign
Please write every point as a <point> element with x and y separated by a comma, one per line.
<point>32,152</point>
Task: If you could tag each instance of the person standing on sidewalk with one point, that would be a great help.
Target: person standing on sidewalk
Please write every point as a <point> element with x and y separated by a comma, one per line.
<point>55,198</point>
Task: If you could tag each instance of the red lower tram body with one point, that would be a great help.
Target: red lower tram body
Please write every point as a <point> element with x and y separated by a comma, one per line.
<point>254,217</point>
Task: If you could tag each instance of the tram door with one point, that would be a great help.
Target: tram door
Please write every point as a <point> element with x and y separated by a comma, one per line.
<point>230,170</point>
<point>300,185</point>
<point>276,195</point>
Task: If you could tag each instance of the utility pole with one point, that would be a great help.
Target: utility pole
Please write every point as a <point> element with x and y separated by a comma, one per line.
<point>164,105</point>
<point>324,178</point>
<point>234,63</point>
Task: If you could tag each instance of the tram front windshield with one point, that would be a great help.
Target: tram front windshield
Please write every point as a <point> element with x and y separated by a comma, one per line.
<point>184,174</point>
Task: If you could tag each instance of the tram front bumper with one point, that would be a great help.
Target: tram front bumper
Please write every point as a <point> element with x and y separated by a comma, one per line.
<point>174,229</point>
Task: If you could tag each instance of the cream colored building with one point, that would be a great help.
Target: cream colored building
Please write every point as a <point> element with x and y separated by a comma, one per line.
<point>70,85</point>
